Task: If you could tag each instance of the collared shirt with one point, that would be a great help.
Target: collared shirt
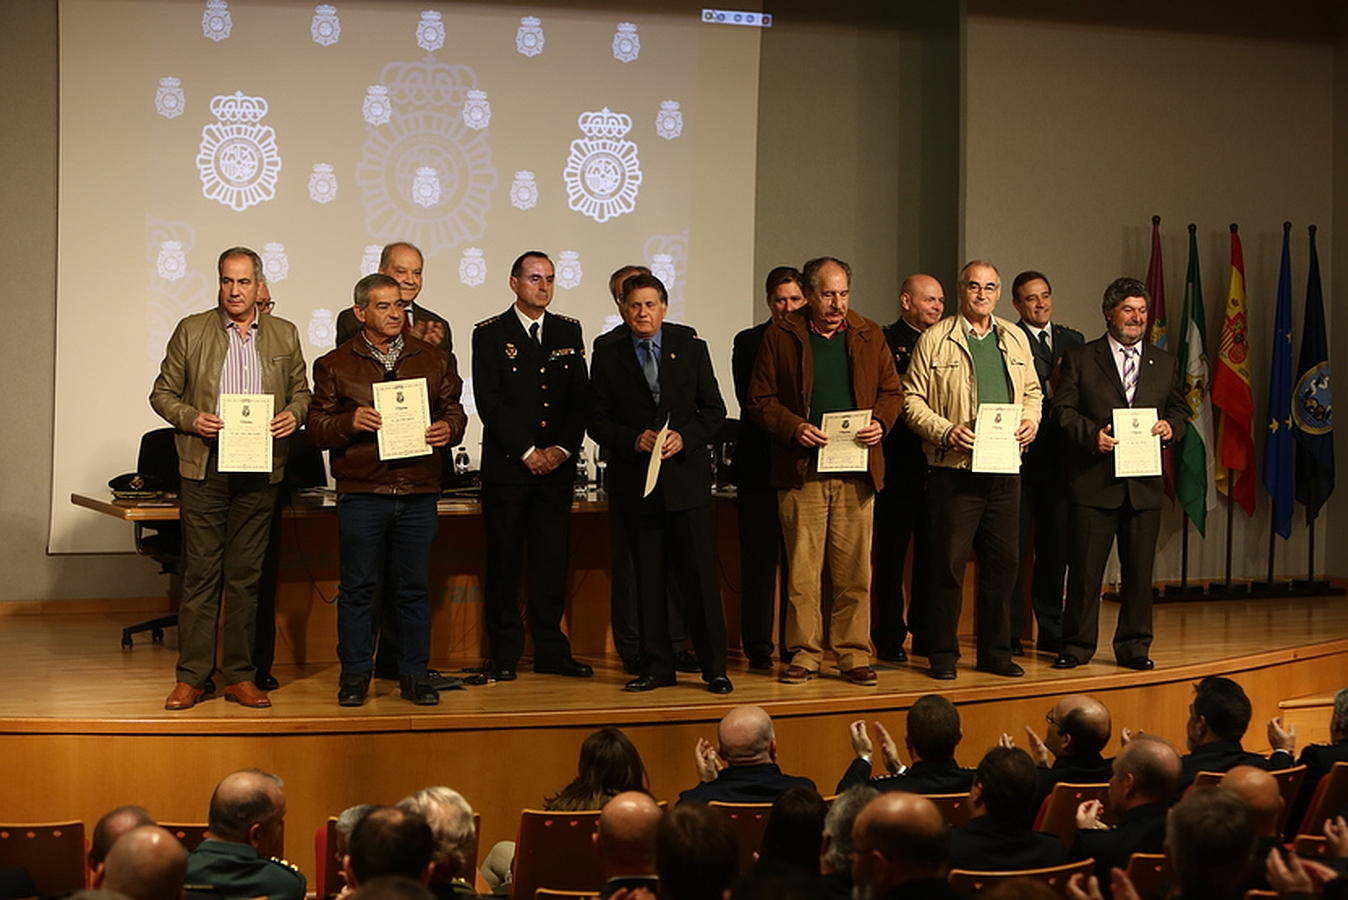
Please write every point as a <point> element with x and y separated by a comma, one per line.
<point>655,346</point>
<point>842,326</point>
<point>241,372</point>
<point>526,323</point>
<point>972,333</point>
<point>389,359</point>
<point>1037,330</point>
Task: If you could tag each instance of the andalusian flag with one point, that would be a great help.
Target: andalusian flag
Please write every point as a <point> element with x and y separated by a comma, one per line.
<point>1156,325</point>
<point>1313,402</point>
<point>1232,394</point>
<point>1278,445</point>
<point>1193,480</point>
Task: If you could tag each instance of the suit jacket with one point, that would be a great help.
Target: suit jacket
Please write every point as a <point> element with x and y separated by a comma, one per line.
<point>529,396</point>
<point>189,382</point>
<point>624,407</point>
<point>990,845</point>
<point>1318,760</point>
<point>1089,390</point>
<point>348,325</point>
<point>903,448</point>
<point>943,776</point>
<point>752,464</point>
<point>1221,756</point>
<point>1043,458</point>
<point>1140,830</point>
<point>762,783</point>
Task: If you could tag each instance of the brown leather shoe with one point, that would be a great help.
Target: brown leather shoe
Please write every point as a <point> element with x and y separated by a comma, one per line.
<point>863,675</point>
<point>794,674</point>
<point>245,693</point>
<point>183,696</point>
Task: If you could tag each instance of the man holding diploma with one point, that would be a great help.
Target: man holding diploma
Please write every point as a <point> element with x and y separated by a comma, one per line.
<point>1116,371</point>
<point>960,363</point>
<point>226,515</point>
<point>388,478</point>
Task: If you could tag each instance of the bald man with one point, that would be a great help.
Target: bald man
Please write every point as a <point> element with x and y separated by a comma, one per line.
<point>900,505</point>
<point>1260,790</point>
<point>110,827</point>
<point>900,847</point>
<point>240,856</point>
<point>1143,783</point>
<point>1078,731</point>
<point>743,768</point>
<point>625,841</point>
<point>146,863</point>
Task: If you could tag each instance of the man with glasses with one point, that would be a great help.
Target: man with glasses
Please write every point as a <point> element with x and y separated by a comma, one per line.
<point>1070,751</point>
<point>959,363</point>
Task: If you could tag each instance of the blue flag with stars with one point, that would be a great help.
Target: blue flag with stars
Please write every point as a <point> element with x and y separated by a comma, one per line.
<point>1278,448</point>
<point>1313,402</point>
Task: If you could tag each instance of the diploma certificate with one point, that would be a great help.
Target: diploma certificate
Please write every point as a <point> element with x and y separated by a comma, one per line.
<point>1138,452</point>
<point>996,450</point>
<point>653,464</point>
<point>404,414</point>
<point>245,440</point>
<point>843,452</point>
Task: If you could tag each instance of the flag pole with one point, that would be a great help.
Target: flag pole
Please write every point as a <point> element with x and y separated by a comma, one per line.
<point>1278,419</point>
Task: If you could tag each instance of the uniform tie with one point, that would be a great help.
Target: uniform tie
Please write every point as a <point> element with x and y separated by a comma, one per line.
<point>533,334</point>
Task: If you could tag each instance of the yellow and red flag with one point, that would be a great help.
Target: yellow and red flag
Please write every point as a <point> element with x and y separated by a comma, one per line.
<point>1232,393</point>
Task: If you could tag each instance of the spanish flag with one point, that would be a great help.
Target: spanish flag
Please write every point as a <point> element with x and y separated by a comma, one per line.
<point>1232,394</point>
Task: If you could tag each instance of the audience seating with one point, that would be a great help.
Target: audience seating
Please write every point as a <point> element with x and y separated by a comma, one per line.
<point>1149,872</point>
<point>1329,799</point>
<point>954,808</point>
<point>1058,813</point>
<point>1289,782</point>
<point>327,867</point>
<point>189,835</point>
<point>555,850</point>
<point>1055,877</point>
<point>550,894</point>
<point>748,821</point>
<point>52,852</point>
<point>1311,846</point>
<point>1261,895</point>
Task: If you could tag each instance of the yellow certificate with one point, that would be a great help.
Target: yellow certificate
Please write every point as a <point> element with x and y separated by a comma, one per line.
<point>245,440</point>
<point>843,452</point>
<point>404,415</point>
<point>1138,452</point>
<point>996,450</point>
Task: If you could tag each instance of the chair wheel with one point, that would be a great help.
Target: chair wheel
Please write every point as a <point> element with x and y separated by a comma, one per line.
<point>126,641</point>
<point>157,635</point>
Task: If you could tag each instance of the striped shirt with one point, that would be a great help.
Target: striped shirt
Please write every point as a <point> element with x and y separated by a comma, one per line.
<point>241,372</point>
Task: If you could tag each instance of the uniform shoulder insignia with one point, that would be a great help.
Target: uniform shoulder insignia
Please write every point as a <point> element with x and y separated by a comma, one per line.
<point>567,319</point>
<point>285,863</point>
<point>488,320</point>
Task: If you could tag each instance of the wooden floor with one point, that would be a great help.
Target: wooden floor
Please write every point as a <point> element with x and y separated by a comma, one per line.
<point>83,720</point>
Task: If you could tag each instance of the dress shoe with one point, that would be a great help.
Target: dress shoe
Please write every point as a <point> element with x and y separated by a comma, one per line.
<point>760,663</point>
<point>245,693</point>
<point>1063,661</point>
<point>686,661</point>
<point>892,654</point>
<point>183,696</point>
<point>645,683</point>
<point>439,682</point>
<point>1006,669</point>
<point>266,682</point>
<point>1141,663</point>
<point>862,675</point>
<point>417,688</point>
<point>353,690</point>
<point>794,674</point>
<point>500,673</point>
<point>568,667</point>
<point>719,684</point>
<point>1017,648</point>
<point>942,672</point>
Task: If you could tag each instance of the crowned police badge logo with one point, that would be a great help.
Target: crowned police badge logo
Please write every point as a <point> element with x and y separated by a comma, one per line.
<point>216,22</point>
<point>626,43</point>
<point>426,187</point>
<point>602,172</point>
<point>322,329</point>
<point>569,271</point>
<point>322,183</point>
<point>430,31</point>
<point>662,267</point>
<point>529,36</point>
<point>326,28</point>
<point>1313,401</point>
<point>477,110</point>
<point>524,190</point>
<point>669,120</point>
<point>238,160</point>
<point>172,262</point>
<point>275,263</point>
<point>169,101</point>
<point>376,109</point>
<point>369,262</point>
<point>472,267</point>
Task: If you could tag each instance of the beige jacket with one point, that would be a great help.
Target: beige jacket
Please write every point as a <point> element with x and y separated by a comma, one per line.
<point>940,390</point>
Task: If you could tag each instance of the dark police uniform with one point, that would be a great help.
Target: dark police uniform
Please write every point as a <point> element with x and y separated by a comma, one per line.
<point>235,870</point>
<point>528,396</point>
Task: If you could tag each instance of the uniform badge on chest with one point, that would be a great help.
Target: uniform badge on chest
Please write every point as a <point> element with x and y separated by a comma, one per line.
<point>511,350</point>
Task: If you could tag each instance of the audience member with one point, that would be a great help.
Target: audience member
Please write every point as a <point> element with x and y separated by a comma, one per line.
<point>247,834</point>
<point>146,863</point>
<point>1078,730</point>
<point>794,830</point>
<point>393,887</point>
<point>1317,758</point>
<point>933,734</point>
<point>900,849</point>
<point>1218,717</point>
<point>1019,889</point>
<point>451,821</point>
<point>110,827</point>
<point>696,854</point>
<point>346,823</point>
<point>1260,790</point>
<point>746,770</point>
<point>1143,785</point>
<point>1001,804</point>
<point>625,840</point>
<point>1209,837</point>
<point>835,850</point>
<point>389,840</point>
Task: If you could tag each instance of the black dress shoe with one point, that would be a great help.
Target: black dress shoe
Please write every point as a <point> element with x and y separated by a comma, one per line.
<point>761,663</point>
<point>892,654</point>
<point>719,684</point>
<point>417,688</point>
<point>266,682</point>
<point>1064,661</point>
<point>353,690</point>
<point>439,682</point>
<point>648,683</point>
<point>568,667</point>
<point>1006,669</point>
<point>942,673</point>
<point>1017,648</point>
<point>686,661</point>
<point>501,673</point>
<point>1141,663</point>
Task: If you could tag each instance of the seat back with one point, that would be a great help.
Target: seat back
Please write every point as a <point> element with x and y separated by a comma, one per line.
<point>1329,799</point>
<point>550,894</point>
<point>1254,894</point>
<point>747,821</point>
<point>327,866</point>
<point>1311,846</point>
<point>1054,877</point>
<point>954,808</point>
<point>555,850</point>
<point>304,463</point>
<point>1203,779</point>
<point>158,456</point>
<point>1149,872</point>
<point>1289,785</point>
<point>189,835</point>
<point>1058,813</point>
<point>52,852</point>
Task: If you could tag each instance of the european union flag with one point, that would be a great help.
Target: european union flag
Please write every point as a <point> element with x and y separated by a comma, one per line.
<point>1313,402</point>
<point>1278,445</point>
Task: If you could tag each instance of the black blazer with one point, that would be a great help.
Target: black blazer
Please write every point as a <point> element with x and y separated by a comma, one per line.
<point>1221,756</point>
<point>759,783</point>
<point>1140,830</point>
<point>529,396</point>
<point>991,845</point>
<point>1089,389</point>
<point>752,464</point>
<point>1043,458</point>
<point>624,407</point>
<point>1090,769</point>
<point>923,777</point>
<point>902,446</point>
<point>348,325</point>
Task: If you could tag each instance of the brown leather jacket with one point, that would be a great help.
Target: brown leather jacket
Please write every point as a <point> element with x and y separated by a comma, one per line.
<point>343,381</point>
<point>783,377</point>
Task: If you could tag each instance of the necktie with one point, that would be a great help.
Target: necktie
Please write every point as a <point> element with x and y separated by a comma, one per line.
<point>651,369</point>
<point>533,334</point>
<point>1044,344</point>
<point>1129,373</point>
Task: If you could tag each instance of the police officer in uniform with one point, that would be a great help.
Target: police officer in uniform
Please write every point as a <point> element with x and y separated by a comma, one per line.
<point>247,828</point>
<point>532,392</point>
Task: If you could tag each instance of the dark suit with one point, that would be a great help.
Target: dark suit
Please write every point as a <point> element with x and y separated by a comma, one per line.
<point>1043,502</point>
<point>762,783</point>
<point>1088,769</point>
<point>943,776</point>
<point>1318,760</point>
<point>348,325</point>
<point>899,506</point>
<point>762,550</point>
<point>529,396</point>
<point>673,527</point>
<point>991,845</point>
<point>1140,830</point>
<point>1222,756</point>
<point>1104,506</point>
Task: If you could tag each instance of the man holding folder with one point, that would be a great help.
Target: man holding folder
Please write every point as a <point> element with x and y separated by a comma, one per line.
<point>1120,378</point>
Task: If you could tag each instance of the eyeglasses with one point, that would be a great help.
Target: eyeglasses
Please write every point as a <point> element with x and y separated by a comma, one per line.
<point>266,305</point>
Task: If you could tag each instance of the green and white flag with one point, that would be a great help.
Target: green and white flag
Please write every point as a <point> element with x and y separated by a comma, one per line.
<point>1194,481</point>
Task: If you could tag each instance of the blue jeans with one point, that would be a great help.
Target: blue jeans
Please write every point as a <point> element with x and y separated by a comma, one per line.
<point>404,524</point>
